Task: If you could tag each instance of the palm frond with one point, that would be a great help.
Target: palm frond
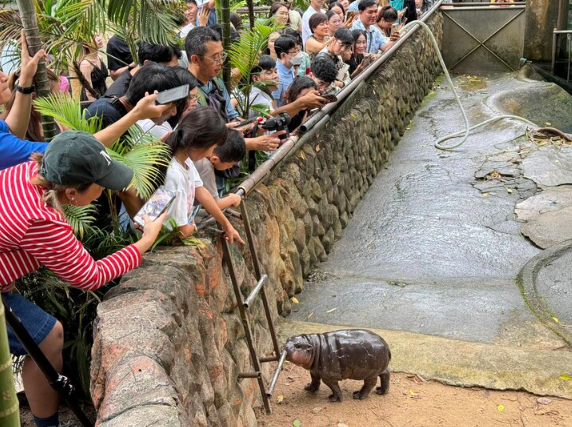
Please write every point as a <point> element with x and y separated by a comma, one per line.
<point>144,154</point>
<point>153,20</point>
<point>244,53</point>
<point>80,218</point>
<point>67,112</point>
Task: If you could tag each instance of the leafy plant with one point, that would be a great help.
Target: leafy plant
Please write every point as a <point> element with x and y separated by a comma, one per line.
<point>67,112</point>
<point>66,26</point>
<point>244,55</point>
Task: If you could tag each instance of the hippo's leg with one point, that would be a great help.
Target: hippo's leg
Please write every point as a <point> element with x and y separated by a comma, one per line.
<point>384,387</point>
<point>336,395</point>
<point>368,385</point>
<point>315,384</point>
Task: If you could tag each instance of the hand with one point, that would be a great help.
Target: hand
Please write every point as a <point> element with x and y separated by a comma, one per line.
<point>204,16</point>
<point>146,108</point>
<point>151,228</point>
<point>29,65</point>
<point>230,234</point>
<point>267,142</point>
<point>233,124</point>
<point>312,100</point>
<point>394,36</point>
<point>235,199</point>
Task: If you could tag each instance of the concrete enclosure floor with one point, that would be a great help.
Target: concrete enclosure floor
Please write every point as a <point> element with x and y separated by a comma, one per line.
<point>433,250</point>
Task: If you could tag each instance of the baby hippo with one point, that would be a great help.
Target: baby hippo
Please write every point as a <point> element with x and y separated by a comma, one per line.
<point>334,356</point>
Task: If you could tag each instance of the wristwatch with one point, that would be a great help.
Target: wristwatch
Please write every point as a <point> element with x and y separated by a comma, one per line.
<point>24,90</point>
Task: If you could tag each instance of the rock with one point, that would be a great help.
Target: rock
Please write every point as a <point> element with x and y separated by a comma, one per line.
<point>550,228</point>
<point>549,166</point>
<point>551,199</point>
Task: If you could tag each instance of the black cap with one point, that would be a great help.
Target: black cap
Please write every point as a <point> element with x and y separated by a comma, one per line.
<point>76,158</point>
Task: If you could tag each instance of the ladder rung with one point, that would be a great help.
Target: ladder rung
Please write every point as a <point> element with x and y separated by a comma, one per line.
<point>268,359</point>
<point>274,381</point>
<point>248,301</point>
<point>249,375</point>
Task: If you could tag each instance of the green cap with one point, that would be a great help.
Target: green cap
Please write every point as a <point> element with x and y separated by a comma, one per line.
<point>76,158</point>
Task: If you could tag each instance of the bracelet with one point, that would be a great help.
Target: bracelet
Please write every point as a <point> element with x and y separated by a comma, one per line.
<point>24,90</point>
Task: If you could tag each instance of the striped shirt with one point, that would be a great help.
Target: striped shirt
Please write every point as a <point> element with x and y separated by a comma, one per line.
<point>33,234</point>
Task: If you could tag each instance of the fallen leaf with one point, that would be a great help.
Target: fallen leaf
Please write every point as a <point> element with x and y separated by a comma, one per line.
<point>548,124</point>
<point>555,319</point>
<point>544,400</point>
<point>317,148</point>
<point>413,393</point>
<point>342,425</point>
<point>485,194</point>
<point>332,310</point>
<point>317,409</point>
<point>280,399</point>
<point>500,408</point>
<point>508,190</point>
<point>310,315</point>
<point>294,300</point>
<point>564,377</point>
<point>297,423</point>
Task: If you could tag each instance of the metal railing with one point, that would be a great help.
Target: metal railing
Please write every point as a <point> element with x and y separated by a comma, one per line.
<point>555,43</point>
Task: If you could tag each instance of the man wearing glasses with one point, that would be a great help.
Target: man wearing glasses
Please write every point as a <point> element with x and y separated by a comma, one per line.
<point>285,48</point>
<point>206,58</point>
<point>343,42</point>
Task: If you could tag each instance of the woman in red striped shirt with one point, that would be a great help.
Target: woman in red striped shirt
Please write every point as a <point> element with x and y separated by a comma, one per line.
<point>33,232</point>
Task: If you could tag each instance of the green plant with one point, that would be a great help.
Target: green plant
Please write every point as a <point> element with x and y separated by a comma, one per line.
<point>65,26</point>
<point>244,55</point>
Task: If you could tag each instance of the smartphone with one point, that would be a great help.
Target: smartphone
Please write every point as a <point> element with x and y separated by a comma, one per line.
<point>172,95</point>
<point>330,97</point>
<point>159,202</point>
<point>246,123</point>
<point>395,28</point>
<point>366,60</point>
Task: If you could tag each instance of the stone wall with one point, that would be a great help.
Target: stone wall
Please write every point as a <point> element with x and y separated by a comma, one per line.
<point>168,340</point>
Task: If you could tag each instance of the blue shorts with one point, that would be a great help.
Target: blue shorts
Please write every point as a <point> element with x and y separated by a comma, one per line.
<point>37,322</point>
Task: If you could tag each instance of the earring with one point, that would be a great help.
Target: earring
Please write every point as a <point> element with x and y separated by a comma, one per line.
<point>73,201</point>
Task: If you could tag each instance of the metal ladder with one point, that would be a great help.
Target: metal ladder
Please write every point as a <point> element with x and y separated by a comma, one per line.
<point>244,305</point>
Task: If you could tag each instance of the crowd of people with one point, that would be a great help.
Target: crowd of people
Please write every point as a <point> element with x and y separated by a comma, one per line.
<point>311,57</point>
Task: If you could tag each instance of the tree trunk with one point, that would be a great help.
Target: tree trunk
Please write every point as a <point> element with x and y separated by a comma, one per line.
<point>250,5</point>
<point>30,24</point>
<point>225,24</point>
<point>9,413</point>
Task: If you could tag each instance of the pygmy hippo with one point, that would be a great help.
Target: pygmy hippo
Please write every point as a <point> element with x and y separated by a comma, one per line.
<point>339,355</point>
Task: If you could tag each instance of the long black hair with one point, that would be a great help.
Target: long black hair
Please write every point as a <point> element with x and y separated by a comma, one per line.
<point>200,129</point>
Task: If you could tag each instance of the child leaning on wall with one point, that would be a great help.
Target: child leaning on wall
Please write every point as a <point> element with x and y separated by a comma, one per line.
<point>224,157</point>
<point>196,137</point>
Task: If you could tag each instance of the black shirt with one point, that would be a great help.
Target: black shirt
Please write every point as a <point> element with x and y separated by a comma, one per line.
<point>119,86</point>
<point>118,53</point>
<point>109,109</point>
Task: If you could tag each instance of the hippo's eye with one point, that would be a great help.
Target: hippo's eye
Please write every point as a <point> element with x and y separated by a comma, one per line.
<point>298,347</point>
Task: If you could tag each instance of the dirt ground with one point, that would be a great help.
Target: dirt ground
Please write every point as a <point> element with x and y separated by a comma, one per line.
<point>411,402</point>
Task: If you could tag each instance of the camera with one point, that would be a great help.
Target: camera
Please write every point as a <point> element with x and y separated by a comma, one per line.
<point>278,123</point>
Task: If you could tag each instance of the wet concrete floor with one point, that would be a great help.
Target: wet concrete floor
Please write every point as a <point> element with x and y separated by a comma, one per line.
<point>434,248</point>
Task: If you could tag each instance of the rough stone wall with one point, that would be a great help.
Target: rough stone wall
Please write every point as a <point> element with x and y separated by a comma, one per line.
<point>168,340</point>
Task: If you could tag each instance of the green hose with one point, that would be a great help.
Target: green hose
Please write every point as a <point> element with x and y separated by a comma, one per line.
<point>468,128</point>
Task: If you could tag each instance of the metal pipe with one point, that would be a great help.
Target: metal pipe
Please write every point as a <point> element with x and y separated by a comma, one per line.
<point>249,375</point>
<point>554,40</point>
<point>268,359</point>
<point>258,272</point>
<point>255,291</point>
<point>274,381</point>
<point>481,6</point>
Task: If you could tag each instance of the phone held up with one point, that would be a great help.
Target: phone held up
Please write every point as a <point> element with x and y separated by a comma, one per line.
<point>172,95</point>
<point>159,202</point>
